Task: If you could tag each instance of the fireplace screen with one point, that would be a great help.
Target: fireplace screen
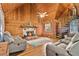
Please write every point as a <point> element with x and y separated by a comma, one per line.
<point>30,33</point>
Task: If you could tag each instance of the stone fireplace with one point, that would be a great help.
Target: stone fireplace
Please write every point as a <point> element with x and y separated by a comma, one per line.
<point>29,31</point>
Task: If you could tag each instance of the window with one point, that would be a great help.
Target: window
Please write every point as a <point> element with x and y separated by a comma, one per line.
<point>74,26</point>
<point>1,24</point>
<point>48,27</point>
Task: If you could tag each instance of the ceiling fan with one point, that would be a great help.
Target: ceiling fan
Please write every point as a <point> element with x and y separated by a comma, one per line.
<point>42,14</point>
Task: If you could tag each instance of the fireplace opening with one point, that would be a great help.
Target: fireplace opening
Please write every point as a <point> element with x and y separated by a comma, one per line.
<point>30,33</point>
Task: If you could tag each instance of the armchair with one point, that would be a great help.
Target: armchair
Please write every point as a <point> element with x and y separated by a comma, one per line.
<point>15,44</point>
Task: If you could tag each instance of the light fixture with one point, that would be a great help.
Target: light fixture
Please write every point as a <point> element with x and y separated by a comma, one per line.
<point>42,14</point>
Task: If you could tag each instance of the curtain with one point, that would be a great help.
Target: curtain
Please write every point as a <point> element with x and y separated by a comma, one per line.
<point>1,24</point>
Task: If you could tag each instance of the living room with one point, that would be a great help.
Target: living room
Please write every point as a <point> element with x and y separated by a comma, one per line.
<point>27,27</point>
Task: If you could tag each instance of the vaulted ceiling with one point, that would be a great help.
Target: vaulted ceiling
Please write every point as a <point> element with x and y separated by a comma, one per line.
<point>62,8</point>
<point>55,10</point>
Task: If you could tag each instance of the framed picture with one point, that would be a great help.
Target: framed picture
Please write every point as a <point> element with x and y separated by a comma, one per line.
<point>48,27</point>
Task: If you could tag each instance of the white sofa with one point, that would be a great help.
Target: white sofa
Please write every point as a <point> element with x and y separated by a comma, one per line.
<point>71,49</point>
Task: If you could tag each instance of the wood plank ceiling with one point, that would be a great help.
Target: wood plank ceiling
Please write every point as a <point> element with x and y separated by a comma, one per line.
<point>54,10</point>
<point>62,8</point>
<point>9,7</point>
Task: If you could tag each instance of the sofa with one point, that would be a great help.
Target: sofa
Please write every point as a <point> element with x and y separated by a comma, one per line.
<point>70,49</point>
<point>65,41</point>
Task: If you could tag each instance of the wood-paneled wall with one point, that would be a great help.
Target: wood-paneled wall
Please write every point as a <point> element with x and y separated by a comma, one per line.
<point>26,13</point>
<point>16,18</point>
